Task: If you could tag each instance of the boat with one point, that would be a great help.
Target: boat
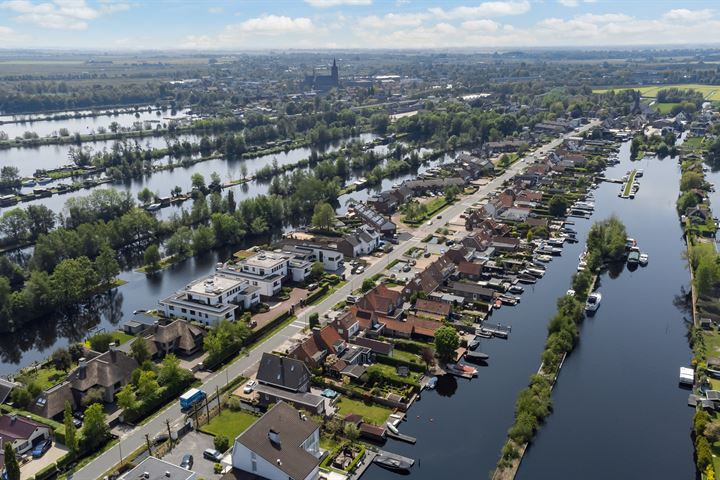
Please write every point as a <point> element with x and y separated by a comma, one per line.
<point>498,303</point>
<point>392,428</point>
<point>462,370</point>
<point>516,289</point>
<point>29,183</point>
<point>638,173</point>
<point>476,356</point>
<point>535,272</point>
<point>153,207</point>
<point>44,180</point>
<point>570,293</point>
<point>393,463</point>
<point>633,257</point>
<point>643,259</point>
<point>629,243</point>
<point>593,302</point>
<point>483,334</point>
<point>431,383</point>
<point>473,344</point>
<point>544,258</point>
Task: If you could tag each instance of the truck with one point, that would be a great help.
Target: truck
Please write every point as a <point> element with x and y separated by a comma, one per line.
<point>191,397</point>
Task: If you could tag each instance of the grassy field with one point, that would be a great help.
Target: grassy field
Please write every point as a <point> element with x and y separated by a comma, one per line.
<point>229,423</point>
<point>711,92</point>
<point>664,108</point>
<point>374,414</point>
<point>45,377</point>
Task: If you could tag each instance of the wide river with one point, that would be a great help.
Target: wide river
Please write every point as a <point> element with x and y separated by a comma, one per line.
<point>618,410</point>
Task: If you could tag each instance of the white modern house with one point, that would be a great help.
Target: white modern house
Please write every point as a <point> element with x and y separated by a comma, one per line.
<point>265,270</point>
<point>211,299</point>
<point>283,444</point>
<point>362,241</point>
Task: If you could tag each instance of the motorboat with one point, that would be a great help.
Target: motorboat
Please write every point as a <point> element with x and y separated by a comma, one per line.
<point>390,426</point>
<point>463,370</point>
<point>431,383</point>
<point>397,464</point>
<point>516,289</point>
<point>29,183</point>
<point>633,257</point>
<point>643,260</point>
<point>473,344</point>
<point>543,258</point>
<point>570,293</point>
<point>593,302</point>
<point>476,356</point>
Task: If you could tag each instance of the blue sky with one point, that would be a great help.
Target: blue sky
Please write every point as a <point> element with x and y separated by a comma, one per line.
<point>307,24</point>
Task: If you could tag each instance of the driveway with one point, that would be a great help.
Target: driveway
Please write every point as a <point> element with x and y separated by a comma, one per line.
<point>194,443</point>
<point>51,456</point>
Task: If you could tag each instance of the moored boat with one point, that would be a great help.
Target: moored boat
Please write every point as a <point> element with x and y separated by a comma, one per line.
<point>593,302</point>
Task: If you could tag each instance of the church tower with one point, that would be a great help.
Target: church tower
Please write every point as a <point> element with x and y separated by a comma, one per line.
<point>334,73</point>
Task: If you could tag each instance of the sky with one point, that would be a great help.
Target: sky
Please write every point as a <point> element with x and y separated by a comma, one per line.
<point>354,24</point>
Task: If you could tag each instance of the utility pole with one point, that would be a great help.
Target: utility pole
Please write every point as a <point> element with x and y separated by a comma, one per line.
<point>217,392</point>
<point>147,440</point>
<point>167,422</point>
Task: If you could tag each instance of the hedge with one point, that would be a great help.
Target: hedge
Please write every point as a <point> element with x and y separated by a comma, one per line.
<point>146,408</point>
<point>409,346</point>
<point>316,294</point>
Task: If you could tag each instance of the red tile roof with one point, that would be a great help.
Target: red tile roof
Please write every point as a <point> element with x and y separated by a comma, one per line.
<point>431,306</point>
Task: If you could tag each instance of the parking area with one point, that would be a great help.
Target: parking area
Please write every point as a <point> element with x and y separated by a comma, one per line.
<point>194,443</point>
<point>29,469</point>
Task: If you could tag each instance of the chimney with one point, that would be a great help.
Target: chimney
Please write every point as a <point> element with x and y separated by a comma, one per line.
<point>113,353</point>
<point>274,437</point>
<point>13,418</point>
<point>156,325</point>
<point>82,368</point>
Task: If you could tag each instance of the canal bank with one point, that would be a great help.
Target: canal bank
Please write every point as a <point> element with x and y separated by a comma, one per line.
<point>630,350</point>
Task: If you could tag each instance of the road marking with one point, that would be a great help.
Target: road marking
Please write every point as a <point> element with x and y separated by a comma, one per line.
<point>298,324</point>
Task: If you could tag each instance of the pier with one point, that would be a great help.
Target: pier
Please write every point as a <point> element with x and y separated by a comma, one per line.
<point>497,330</point>
<point>627,188</point>
<point>400,436</point>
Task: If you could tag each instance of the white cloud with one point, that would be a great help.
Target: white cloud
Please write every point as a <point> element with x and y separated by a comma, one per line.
<point>685,15</point>
<point>483,25</point>
<point>215,10</point>
<point>485,9</point>
<point>336,3</point>
<point>8,36</point>
<point>392,20</point>
<point>61,14</point>
<point>274,25</point>
<point>568,3</point>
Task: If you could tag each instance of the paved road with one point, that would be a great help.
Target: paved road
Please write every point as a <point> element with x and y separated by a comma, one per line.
<point>133,439</point>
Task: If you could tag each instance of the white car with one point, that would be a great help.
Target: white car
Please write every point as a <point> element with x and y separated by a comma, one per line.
<point>249,386</point>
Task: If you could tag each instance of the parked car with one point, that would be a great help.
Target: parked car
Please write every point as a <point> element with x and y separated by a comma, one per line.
<point>187,461</point>
<point>41,448</point>
<point>160,438</point>
<point>439,217</point>
<point>406,268</point>
<point>249,386</point>
<point>312,286</point>
<point>212,455</point>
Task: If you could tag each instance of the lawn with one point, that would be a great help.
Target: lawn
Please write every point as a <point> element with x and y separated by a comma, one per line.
<point>229,423</point>
<point>374,414</point>
<point>406,356</point>
<point>711,92</point>
<point>664,108</point>
<point>118,336</point>
<point>45,377</point>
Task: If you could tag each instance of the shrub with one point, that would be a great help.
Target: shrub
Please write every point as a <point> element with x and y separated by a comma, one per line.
<point>221,443</point>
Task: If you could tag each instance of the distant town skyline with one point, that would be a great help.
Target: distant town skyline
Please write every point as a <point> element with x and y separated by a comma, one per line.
<point>353,24</point>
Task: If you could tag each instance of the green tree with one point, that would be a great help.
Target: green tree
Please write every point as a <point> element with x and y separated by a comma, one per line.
<point>15,225</point>
<point>147,385</point>
<point>351,432</point>
<point>447,341</point>
<point>323,216</point>
<point>139,350</point>
<point>203,239</point>
<point>100,342</point>
<point>690,180</point>
<point>61,359</point>
<point>380,122</point>
<point>152,259</point>
<point>221,443</point>
<point>106,265</point>
<point>686,201</point>
<point>126,398</point>
<point>558,205</point>
<point>12,467</point>
<point>171,374</point>
<point>95,430</point>
<point>451,192</point>
<point>367,285</point>
<point>314,320</point>
<point>198,181</point>
<point>145,196</point>
<point>179,245</point>
<point>71,439</point>
<point>317,271</point>
<point>703,453</point>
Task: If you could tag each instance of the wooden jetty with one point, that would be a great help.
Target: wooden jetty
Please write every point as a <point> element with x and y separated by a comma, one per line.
<point>400,436</point>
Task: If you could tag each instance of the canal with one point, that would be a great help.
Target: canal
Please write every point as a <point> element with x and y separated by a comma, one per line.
<point>618,410</point>
<point>630,381</point>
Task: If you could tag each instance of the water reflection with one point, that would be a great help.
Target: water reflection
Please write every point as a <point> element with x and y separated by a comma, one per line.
<point>446,386</point>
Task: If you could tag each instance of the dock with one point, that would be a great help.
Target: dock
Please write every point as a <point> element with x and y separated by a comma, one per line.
<point>627,188</point>
<point>497,330</point>
<point>400,436</point>
<point>363,465</point>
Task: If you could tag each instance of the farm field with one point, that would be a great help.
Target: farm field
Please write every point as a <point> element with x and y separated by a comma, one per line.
<point>711,92</point>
